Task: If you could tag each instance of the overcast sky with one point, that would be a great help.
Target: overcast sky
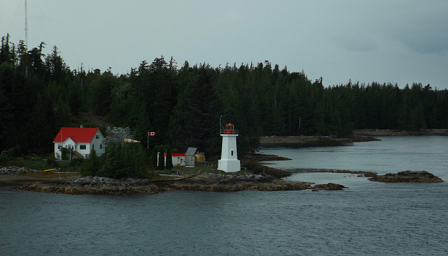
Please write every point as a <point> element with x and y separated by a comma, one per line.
<point>383,40</point>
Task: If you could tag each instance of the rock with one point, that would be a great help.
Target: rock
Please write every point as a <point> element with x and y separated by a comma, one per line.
<point>14,170</point>
<point>213,182</point>
<point>408,176</point>
<point>329,186</point>
<point>277,185</point>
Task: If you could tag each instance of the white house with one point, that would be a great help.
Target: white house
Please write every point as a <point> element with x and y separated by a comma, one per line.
<point>79,141</point>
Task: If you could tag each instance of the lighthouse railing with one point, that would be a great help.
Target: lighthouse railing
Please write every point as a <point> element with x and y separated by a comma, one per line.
<point>227,131</point>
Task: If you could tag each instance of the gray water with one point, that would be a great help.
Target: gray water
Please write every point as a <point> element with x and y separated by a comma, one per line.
<point>368,218</point>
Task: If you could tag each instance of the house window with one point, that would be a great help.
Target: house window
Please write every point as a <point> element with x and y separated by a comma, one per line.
<point>97,136</point>
<point>101,146</point>
<point>93,146</point>
<point>231,152</point>
<point>82,147</point>
<point>59,146</point>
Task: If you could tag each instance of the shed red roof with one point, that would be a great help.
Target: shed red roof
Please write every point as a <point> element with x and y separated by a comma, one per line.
<point>78,135</point>
<point>173,154</point>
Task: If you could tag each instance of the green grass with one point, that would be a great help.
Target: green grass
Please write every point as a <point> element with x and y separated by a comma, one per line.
<point>41,164</point>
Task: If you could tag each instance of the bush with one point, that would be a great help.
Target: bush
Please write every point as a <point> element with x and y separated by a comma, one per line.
<point>4,159</point>
<point>52,163</point>
<point>257,169</point>
<point>124,161</point>
<point>36,158</point>
<point>169,159</point>
<point>250,165</point>
<point>14,152</point>
<point>76,161</point>
<point>91,165</point>
<point>65,154</point>
<point>15,162</point>
<point>71,169</point>
<point>153,159</point>
<point>253,166</point>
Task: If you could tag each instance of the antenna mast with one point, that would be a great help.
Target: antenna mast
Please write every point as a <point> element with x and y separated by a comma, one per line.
<point>26,38</point>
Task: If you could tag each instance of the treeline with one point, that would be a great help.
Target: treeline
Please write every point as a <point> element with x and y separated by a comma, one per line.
<point>184,105</point>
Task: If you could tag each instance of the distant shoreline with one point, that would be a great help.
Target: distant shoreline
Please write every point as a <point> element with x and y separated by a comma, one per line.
<point>267,140</point>
<point>363,135</point>
<point>386,132</point>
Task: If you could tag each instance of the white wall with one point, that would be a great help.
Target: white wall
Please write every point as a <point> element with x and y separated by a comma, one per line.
<point>98,143</point>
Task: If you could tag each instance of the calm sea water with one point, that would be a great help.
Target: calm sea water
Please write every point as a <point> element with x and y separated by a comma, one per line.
<point>368,218</point>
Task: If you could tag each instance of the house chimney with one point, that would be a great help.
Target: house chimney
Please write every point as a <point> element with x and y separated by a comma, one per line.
<point>81,126</point>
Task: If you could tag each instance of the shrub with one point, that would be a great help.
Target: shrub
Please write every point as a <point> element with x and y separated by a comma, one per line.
<point>91,165</point>
<point>169,159</point>
<point>161,163</point>
<point>65,154</point>
<point>14,162</point>
<point>36,158</point>
<point>153,160</point>
<point>4,159</point>
<point>52,163</point>
<point>253,166</point>
<point>14,152</point>
<point>250,165</point>
<point>257,169</point>
<point>76,161</point>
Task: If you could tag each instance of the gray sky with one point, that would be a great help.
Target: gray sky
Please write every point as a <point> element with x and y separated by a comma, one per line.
<point>384,41</point>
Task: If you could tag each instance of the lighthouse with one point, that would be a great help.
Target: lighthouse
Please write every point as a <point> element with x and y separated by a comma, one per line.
<point>229,161</point>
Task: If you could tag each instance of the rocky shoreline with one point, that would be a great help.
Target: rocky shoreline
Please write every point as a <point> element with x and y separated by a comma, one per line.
<point>210,182</point>
<point>206,181</point>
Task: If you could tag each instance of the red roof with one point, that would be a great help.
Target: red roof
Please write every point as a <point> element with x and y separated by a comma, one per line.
<point>173,154</point>
<point>78,135</point>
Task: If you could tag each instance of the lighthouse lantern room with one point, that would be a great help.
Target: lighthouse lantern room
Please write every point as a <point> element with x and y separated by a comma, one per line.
<point>229,161</point>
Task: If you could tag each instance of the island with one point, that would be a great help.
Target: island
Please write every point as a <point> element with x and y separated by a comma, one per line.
<point>408,176</point>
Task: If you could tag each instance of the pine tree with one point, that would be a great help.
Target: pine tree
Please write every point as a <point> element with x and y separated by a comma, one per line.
<point>91,166</point>
<point>161,162</point>
<point>169,159</point>
<point>153,159</point>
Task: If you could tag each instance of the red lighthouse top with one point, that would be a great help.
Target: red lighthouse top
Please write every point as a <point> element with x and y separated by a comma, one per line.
<point>229,129</point>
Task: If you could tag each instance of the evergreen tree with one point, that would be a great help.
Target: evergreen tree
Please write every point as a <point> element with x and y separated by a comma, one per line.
<point>91,166</point>
<point>153,160</point>
<point>169,159</point>
<point>161,162</point>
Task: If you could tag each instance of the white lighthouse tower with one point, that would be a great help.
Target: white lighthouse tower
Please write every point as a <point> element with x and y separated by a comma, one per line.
<point>229,161</point>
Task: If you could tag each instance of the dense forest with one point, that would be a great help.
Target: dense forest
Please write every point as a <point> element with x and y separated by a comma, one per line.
<point>184,104</point>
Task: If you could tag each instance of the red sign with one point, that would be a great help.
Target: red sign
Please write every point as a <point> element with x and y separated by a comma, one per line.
<point>151,133</point>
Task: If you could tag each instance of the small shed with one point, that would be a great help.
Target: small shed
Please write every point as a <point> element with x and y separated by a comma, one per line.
<point>190,158</point>
<point>178,159</point>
